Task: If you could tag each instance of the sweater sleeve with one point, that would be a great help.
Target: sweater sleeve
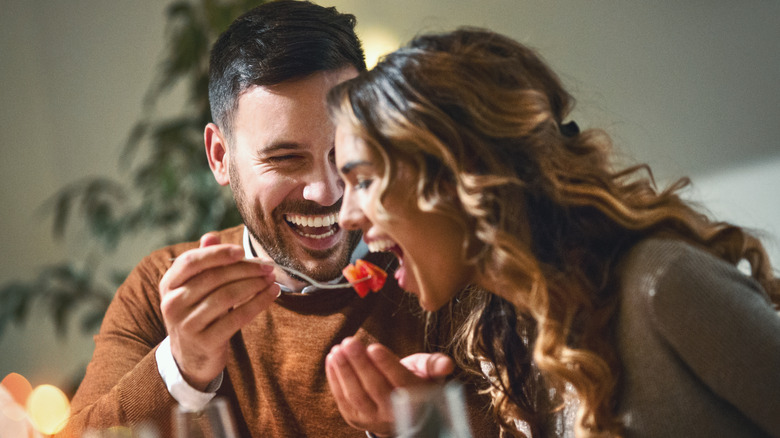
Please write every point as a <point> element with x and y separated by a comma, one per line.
<point>722,325</point>
<point>122,386</point>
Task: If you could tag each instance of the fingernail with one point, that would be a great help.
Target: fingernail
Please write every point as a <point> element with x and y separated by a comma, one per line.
<point>334,357</point>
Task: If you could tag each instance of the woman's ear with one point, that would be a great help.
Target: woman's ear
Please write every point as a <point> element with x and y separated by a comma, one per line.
<point>217,153</point>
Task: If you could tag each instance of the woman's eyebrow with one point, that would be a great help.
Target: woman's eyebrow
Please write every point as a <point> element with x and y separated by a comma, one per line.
<point>346,168</point>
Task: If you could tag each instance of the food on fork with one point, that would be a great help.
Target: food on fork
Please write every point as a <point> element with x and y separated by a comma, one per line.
<point>364,277</point>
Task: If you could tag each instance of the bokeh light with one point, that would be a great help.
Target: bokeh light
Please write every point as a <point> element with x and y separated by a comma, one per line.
<point>13,418</point>
<point>377,42</point>
<point>48,408</point>
<point>18,387</point>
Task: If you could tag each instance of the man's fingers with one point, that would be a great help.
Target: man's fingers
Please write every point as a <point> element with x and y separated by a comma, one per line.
<point>222,286</point>
<point>219,288</point>
<point>226,299</point>
<point>226,325</point>
<point>195,261</point>
<point>200,338</point>
<point>209,239</point>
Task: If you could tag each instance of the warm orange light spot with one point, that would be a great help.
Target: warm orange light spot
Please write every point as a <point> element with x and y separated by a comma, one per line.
<point>48,409</point>
<point>377,42</point>
<point>18,387</point>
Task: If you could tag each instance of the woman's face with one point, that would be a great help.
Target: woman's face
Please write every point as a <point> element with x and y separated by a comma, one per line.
<point>428,245</point>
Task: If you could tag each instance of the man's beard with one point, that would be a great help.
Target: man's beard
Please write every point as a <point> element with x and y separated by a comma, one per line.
<point>270,234</point>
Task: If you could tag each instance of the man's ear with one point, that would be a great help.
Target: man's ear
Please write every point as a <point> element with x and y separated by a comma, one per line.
<point>217,153</point>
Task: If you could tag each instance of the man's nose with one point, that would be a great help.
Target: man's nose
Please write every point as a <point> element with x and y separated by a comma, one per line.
<point>324,186</point>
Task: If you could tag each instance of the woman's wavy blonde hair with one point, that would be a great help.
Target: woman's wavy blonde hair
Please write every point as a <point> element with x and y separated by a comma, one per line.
<point>481,119</point>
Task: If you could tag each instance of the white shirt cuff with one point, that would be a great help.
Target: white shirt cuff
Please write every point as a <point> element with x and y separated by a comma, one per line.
<point>188,397</point>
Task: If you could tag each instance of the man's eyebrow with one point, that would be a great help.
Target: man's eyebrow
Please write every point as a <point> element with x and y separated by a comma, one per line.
<point>346,168</point>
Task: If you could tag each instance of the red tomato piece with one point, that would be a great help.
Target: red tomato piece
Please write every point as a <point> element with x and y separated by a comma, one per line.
<point>377,275</point>
<point>365,276</point>
<point>353,275</point>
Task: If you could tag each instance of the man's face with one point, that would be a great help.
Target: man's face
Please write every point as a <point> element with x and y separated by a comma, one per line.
<point>283,176</point>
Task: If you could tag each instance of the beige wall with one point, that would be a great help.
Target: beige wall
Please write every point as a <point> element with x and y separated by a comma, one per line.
<point>73,75</point>
<point>689,87</point>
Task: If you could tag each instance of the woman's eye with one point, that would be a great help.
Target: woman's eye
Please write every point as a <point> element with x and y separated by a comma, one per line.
<point>363,183</point>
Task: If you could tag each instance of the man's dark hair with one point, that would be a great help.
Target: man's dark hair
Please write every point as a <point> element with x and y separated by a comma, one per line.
<point>276,42</point>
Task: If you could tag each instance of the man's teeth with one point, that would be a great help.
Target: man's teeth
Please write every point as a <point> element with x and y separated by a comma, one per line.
<point>313,221</point>
<point>330,232</point>
<point>380,245</point>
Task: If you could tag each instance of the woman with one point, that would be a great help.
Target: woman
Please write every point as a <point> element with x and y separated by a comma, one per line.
<point>583,285</point>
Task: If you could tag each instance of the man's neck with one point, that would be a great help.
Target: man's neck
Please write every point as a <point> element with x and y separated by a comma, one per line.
<point>252,249</point>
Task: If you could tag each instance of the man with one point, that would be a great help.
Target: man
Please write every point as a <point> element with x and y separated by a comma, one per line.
<point>195,320</point>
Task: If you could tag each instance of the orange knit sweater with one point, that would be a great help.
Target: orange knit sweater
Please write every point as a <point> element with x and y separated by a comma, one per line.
<point>275,377</point>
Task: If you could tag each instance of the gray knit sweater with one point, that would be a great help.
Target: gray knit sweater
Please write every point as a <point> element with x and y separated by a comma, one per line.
<point>699,344</point>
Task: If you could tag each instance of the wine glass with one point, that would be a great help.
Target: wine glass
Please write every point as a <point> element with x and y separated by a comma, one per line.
<point>431,411</point>
<point>213,421</point>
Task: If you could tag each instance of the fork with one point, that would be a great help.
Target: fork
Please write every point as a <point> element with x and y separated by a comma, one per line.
<point>310,280</point>
<point>300,274</point>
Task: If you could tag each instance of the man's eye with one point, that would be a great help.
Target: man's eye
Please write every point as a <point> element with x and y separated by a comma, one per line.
<point>280,158</point>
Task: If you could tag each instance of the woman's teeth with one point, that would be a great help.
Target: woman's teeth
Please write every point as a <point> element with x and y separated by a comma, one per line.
<point>380,245</point>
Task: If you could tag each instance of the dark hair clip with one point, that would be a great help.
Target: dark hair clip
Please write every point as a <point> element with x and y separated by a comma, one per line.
<point>570,129</point>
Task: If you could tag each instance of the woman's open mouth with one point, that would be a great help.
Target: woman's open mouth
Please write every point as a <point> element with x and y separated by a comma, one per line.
<point>387,245</point>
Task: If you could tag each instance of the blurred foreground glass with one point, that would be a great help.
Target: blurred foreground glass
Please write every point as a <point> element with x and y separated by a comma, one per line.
<point>138,431</point>
<point>431,411</point>
<point>213,421</point>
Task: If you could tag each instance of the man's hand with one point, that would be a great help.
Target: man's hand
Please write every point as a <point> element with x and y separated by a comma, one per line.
<point>362,378</point>
<point>207,295</point>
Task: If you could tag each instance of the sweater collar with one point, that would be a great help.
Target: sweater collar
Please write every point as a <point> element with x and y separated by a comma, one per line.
<point>250,253</point>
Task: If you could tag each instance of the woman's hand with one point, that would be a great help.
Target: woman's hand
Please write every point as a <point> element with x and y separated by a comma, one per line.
<point>362,378</point>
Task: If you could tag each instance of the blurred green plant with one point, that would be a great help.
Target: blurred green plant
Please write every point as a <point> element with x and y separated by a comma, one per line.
<point>171,193</point>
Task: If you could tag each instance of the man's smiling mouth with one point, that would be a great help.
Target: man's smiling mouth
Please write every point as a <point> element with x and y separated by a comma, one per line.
<point>313,226</point>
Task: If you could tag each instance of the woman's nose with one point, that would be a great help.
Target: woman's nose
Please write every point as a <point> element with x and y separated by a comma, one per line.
<point>351,216</point>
